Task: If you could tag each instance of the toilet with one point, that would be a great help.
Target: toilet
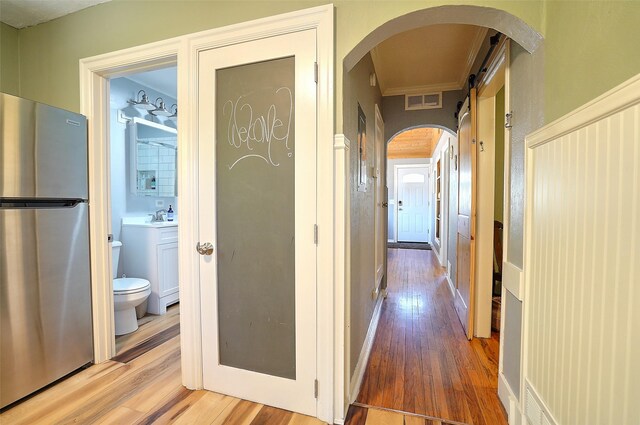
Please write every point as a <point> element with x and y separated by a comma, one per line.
<point>128,293</point>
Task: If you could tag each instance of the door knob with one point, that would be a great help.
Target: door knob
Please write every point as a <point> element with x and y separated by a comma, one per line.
<point>205,249</point>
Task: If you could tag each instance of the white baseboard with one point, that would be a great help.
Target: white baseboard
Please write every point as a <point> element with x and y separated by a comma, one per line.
<point>509,401</point>
<point>358,373</point>
<point>451,287</point>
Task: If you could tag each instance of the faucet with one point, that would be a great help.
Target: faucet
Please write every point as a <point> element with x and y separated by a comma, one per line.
<point>158,216</point>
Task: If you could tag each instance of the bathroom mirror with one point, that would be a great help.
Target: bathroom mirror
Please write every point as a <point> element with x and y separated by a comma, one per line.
<point>153,158</point>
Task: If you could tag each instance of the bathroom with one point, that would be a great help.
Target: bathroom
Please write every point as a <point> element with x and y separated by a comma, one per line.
<point>144,219</point>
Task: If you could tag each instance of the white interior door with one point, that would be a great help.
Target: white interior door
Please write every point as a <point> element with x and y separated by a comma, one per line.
<point>380,198</point>
<point>412,204</point>
<point>257,188</point>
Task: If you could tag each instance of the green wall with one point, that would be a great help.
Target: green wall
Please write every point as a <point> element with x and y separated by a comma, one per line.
<point>358,91</point>
<point>50,52</point>
<point>9,60</point>
<point>590,47</point>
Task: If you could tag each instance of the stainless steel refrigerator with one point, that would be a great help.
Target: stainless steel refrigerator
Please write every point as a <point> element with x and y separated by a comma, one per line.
<point>45,288</point>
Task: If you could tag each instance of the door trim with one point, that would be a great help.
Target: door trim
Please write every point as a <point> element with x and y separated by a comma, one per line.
<point>321,19</point>
<point>94,104</point>
<point>396,167</point>
<point>94,100</point>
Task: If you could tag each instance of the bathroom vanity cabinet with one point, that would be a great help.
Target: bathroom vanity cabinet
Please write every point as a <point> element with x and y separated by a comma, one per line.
<point>150,251</point>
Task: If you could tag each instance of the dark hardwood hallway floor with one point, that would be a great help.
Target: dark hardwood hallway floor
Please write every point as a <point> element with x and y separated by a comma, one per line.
<point>421,361</point>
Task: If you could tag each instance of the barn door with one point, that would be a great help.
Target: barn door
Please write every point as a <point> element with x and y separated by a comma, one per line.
<point>465,282</point>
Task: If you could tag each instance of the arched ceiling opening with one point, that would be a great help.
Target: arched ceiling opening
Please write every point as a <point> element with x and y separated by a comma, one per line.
<point>499,20</point>
<point>428,59</point>
<point>414,143</point>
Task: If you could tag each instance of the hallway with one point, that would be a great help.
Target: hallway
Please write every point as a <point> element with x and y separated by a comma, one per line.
<point>421,361</point>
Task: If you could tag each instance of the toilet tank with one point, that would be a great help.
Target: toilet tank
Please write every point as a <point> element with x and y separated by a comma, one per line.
<point>115,257</point>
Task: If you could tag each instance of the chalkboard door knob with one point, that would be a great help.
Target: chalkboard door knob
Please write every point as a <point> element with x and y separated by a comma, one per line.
<point>205,249</point>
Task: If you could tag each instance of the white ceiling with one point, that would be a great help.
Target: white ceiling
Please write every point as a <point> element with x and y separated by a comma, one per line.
<point>428,59</point>
<point>164,80</point>
<point>26,13</point>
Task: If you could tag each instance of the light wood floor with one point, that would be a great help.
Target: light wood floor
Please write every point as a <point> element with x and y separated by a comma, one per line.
<point>142,385</point>
<point>149,326</point>
<point>421,361</point>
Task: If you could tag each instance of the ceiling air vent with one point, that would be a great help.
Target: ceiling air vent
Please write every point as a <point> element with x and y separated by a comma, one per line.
<point>422,101</point>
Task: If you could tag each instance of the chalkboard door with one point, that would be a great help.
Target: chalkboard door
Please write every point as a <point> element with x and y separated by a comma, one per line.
<point>257,150</point>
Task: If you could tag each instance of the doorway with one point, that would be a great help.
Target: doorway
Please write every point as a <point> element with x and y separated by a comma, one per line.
<point>490,217</point>
<point>411,180</point>
<point>452,162</point>
<point>412,204</point>
<point>95,75</point>
<point>143,146</point>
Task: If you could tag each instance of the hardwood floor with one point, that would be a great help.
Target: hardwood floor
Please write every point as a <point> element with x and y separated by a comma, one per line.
<point>367,415</point>
<point>149,326</point>
<point>421,361</point>
<point>142,385</point>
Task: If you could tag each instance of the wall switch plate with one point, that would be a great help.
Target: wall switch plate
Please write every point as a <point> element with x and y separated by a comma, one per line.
<point>159,203</point>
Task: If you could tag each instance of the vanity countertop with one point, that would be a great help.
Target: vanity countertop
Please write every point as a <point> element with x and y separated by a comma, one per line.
<point>145,222</point>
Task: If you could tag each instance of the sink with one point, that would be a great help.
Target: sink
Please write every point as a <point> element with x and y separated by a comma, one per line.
<point>146,222</point>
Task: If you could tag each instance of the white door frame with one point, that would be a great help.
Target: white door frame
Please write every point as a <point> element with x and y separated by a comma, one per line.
<point>95,73</point>
<point>444,248</point>
<point>396,167</point>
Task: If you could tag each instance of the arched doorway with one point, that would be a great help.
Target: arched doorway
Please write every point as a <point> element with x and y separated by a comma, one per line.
<point>526,59</point>
<point>411,151</point>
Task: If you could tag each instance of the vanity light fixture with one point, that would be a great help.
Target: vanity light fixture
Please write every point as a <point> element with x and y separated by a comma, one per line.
<point>142,101</point>
<point>174,116</point>
<point>160,110</point>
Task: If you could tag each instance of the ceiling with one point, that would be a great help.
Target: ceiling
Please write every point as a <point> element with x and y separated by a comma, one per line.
<point>164,80</point>
<point>428,59</point>
<point>26,13</point>
<point>414,143</point>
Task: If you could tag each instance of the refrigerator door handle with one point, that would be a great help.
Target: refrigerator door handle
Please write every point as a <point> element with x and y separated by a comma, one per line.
<point>13,203</point>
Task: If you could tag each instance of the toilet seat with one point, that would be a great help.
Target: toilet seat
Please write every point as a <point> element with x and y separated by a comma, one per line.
<point>129,285</point>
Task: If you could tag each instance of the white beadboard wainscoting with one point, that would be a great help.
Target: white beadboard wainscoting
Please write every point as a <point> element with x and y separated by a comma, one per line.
<point>581,358</point>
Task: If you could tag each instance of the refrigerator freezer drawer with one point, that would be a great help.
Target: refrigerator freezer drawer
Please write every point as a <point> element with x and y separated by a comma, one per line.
<point>45,297</point>
<point>43,151</point>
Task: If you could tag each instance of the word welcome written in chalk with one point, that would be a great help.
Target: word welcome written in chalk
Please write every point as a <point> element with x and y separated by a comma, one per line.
<point>262,136</point>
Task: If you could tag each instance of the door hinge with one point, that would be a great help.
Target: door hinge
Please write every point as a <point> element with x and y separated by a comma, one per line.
<point>110,237</point>
<point>315,388</point>
<point>315,234</point>
<point>507,120</point>
<point>315,72</point>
